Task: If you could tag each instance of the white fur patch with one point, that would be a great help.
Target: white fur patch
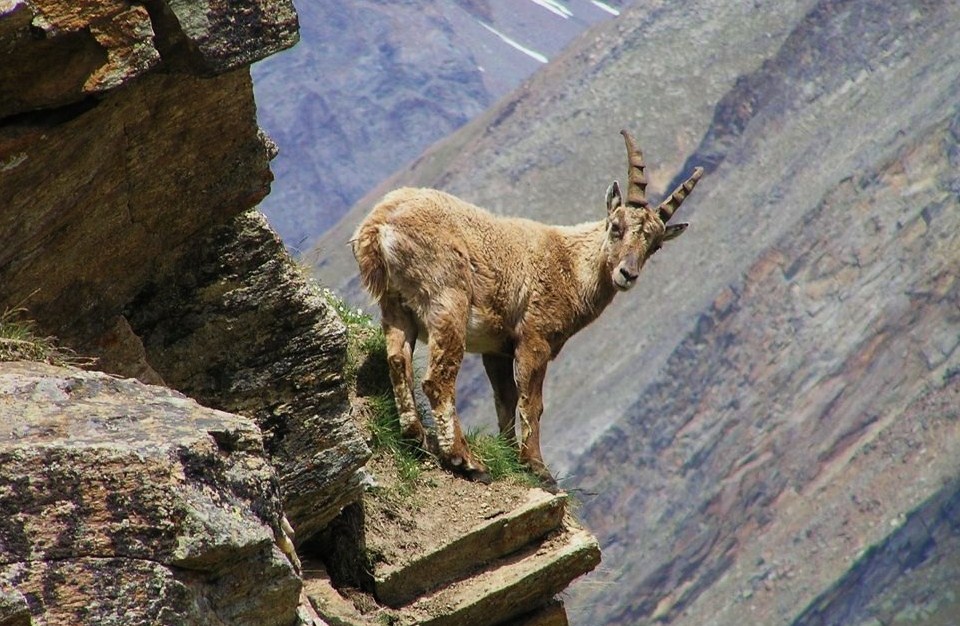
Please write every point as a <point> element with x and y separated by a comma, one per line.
<point>388,242</point>
<point>445,430</point>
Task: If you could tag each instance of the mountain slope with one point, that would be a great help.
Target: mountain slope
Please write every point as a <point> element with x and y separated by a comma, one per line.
<point>371,84</point>
<point>793,405</point>
<point>753,401</point>
<point>634,72</point>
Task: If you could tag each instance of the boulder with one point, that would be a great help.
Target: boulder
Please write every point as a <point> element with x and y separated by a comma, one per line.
<point>126,503</point>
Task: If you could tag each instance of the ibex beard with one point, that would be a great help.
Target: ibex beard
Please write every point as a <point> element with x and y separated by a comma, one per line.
<point>511,289</point>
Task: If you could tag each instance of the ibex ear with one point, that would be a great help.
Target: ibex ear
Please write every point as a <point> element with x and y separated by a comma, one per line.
<point>674,230</point>
<point>614,199</point>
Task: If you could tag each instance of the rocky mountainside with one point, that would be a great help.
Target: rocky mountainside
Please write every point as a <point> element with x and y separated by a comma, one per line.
<point>764,431</point>
<point>372,84</point>
<point>790,411</point>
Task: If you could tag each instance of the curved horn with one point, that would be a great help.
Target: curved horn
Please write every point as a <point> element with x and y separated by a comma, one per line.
<point>673,202</point>
<point>636,181</point>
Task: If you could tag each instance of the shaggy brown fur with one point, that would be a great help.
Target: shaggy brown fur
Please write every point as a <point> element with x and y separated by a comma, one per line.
<point>514,290</point>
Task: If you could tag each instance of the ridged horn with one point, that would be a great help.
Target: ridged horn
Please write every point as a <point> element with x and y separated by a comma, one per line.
<point>636,181</point>
<point>673,202</point>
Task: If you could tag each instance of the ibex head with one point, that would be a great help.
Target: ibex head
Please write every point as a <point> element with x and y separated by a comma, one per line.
<point>634,230</point>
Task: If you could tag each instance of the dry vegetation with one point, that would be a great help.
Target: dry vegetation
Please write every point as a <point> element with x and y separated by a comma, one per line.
<point>19,341</point>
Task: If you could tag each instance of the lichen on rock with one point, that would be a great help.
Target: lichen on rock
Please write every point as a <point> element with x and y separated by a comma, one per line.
<point>137,500</point>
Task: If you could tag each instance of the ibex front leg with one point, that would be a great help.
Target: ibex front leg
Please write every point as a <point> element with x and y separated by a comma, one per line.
<point>532,358</point>
<point>447,343</point>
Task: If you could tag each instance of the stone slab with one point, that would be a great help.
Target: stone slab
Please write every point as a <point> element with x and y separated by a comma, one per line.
<point>491,539</point>
<point>512,587</point>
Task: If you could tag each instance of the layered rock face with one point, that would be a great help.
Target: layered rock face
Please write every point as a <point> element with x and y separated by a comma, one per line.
<point>106,178</point>
<point>125,503</point>
<point>131,148</point>
<point>236,326</point>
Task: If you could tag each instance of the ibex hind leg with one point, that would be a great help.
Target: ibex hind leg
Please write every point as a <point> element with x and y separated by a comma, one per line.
<point>505,396</point>
<point>447,342</point>
<point>400,331</point>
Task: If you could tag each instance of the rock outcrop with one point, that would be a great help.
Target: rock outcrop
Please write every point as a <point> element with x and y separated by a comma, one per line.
<point>107,179</point>
<point>236,326</point>
<point>125,503</point>
<point>447,553</point>
<point>122,236</point>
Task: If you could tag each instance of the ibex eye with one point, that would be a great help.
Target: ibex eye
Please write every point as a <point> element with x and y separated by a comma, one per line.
<point>616,230</point>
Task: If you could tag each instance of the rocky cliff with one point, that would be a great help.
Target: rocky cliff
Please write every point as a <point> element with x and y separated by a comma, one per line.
<point>131,161</point>
<point>125,189</point>
<point>763,431</point>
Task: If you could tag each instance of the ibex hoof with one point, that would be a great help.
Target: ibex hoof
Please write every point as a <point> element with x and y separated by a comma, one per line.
<point>478,476</point>
<point>547,481</point>
<point>471,472</point>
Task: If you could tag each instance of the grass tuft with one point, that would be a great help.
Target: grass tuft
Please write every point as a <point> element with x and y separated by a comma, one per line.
<point>20,342</point>
<point>386,437</point>
<point>366,346</point>
<point>501,458</point>
<point>350,316</point>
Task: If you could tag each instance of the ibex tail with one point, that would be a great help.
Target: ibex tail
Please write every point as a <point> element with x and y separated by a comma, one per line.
<point>370,259</point>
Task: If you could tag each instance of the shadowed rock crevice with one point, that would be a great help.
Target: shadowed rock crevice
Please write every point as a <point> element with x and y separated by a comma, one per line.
<point>236,325</point>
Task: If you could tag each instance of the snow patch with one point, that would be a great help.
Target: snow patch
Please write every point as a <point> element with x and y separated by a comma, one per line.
<point>510,42</point>
<point>605,7</point>
<point>554,7</point>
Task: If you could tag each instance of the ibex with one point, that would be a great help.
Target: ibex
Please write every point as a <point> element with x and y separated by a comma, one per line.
<point>511,289</point>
